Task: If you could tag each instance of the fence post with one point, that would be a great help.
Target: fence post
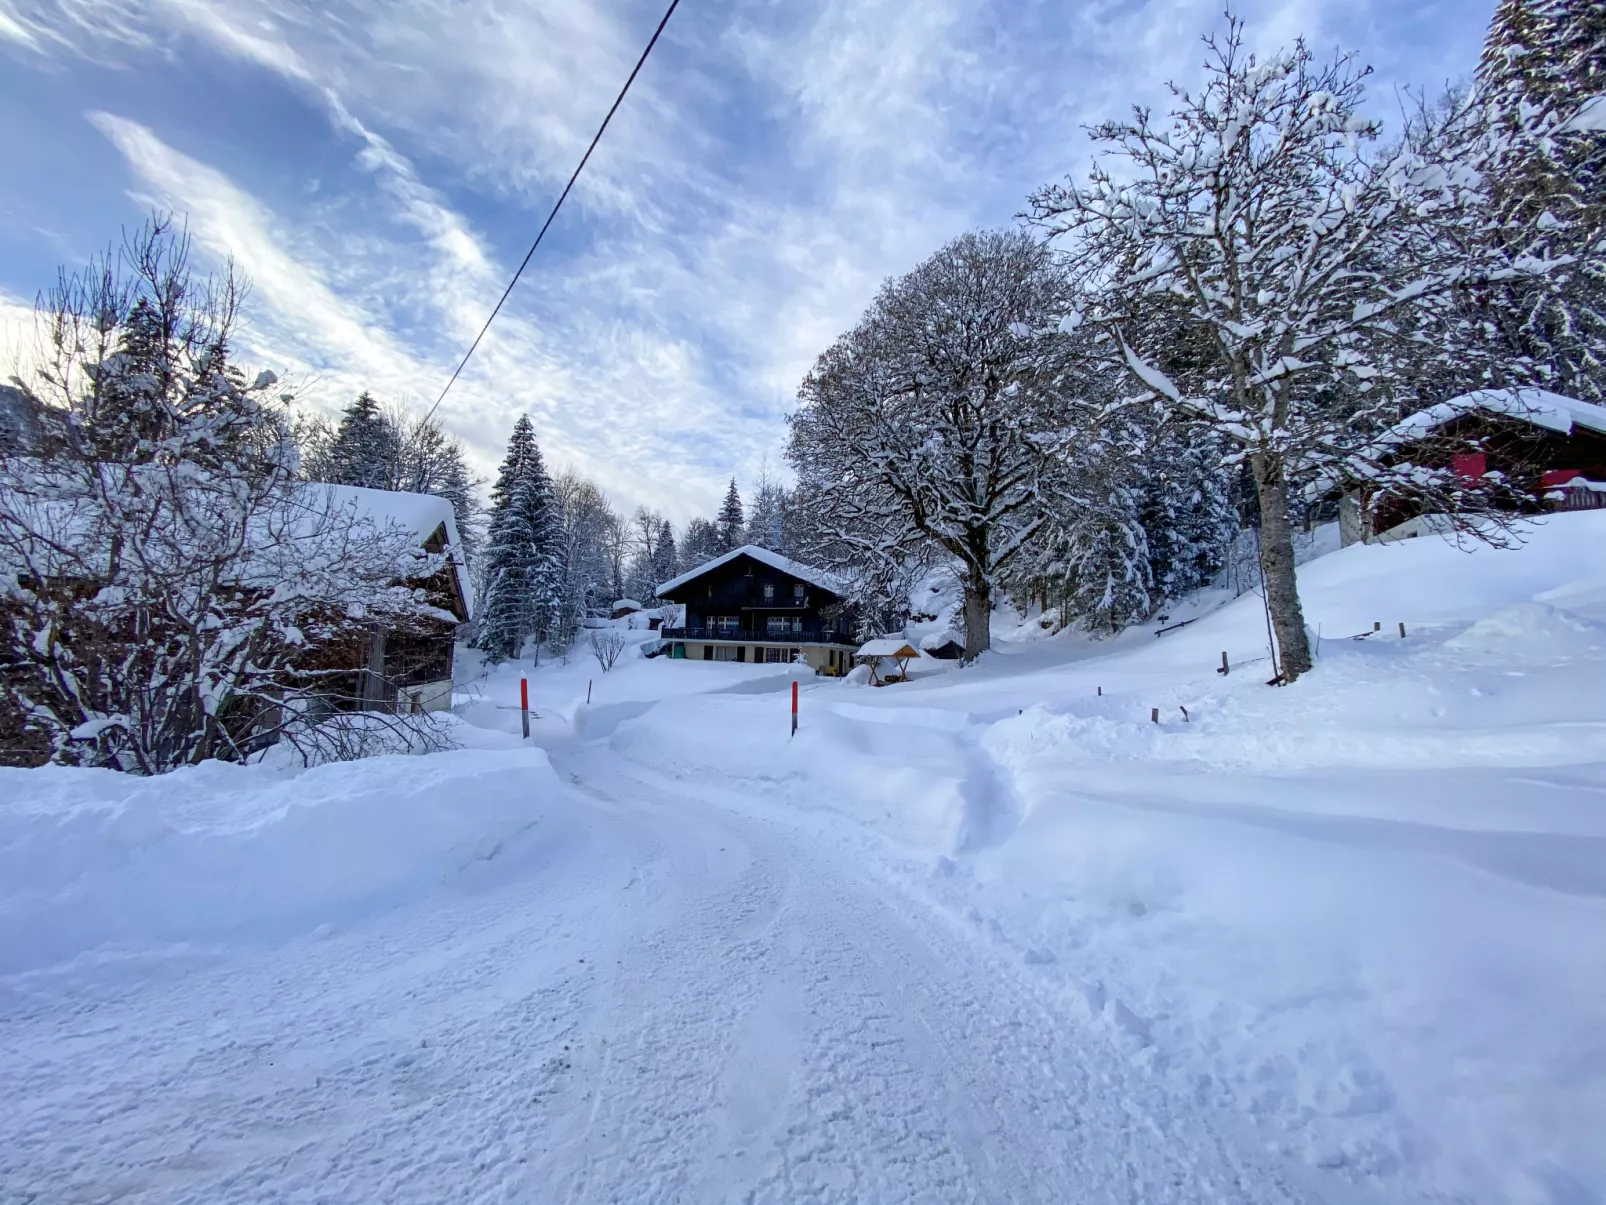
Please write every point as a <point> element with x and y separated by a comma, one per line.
<point>524,705</point>
<point>1225,669</point>
<point>1154,714</point>
<point>588,692</point>
<point>1402,629</point>
<point>794,706</point>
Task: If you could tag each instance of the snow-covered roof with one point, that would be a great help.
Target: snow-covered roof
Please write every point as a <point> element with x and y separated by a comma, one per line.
<point>626,604</point>
<point>887,646</point>
<point>418,514</point>
<point>805,573</point>
<point>936,640</point>
<point>1540,407</point>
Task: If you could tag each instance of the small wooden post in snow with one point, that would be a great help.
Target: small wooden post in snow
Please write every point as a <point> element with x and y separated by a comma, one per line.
<point>1154,714</point>
<point>1402,629</point>
<point>1225,668</point>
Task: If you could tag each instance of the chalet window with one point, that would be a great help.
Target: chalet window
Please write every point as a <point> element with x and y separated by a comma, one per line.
<point>769,591</point>
<point>783,625</point>
<point>776,657</point>
<point>725,624</point>
<point>797,592</point>
<point>726,652</point>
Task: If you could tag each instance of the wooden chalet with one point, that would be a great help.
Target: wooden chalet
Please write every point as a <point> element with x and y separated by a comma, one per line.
<point>1551,448</point>
<point>755,605</point>
<point>396,671</point>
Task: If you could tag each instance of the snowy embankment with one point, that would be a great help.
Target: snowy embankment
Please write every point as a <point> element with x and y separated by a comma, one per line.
<point>105,865</point>
<point>1369,911</point>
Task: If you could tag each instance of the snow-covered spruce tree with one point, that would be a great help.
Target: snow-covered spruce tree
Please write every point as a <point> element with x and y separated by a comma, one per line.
<point>1542,81</point>
<point>366,447</point>
<point>163,575</point>
<point>1307,255</point>
<point>665,556</point>
<point>699,544</point>
<point>522,573</point>
<point>935,421</point>
<point>766,524</point>
<point>1090,558</point>
<point>1187,511</point>
<point>731,521</point>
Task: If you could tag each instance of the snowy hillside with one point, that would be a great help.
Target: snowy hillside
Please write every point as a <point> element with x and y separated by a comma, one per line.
<point>992,934</point>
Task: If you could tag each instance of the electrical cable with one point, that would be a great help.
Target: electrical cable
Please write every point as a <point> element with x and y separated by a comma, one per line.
<point>596,138</point>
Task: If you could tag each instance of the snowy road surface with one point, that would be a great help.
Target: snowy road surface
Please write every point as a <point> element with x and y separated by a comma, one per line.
<point>759,1019</point>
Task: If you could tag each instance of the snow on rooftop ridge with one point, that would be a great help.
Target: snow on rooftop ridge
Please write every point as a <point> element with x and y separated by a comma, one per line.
<point>807,573</point>
<point>417,514</point>
<point>886,646</point>
<point>1553,411</point>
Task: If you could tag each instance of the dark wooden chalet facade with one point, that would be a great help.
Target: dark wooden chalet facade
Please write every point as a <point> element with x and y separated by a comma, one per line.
<point>755,605</point>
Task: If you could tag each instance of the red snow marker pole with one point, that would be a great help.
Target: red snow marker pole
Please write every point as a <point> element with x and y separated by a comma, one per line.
<point>524,705</point>
<point>794,706</point>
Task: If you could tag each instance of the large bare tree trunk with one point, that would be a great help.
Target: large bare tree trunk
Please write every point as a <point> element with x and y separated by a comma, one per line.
<point>1277,562</point>
<point>978,616</point>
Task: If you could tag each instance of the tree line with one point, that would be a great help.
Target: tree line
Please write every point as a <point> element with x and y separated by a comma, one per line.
<point>1213,329</point>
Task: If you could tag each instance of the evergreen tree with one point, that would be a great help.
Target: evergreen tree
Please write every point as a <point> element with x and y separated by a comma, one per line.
<point>524,559</point>
<point>365,447</point>
<point>700,544</point>
<point>521,450</point>
<point>665,560</point>
<point>766,525</point>
<point>731,522</point>
<point>1188,514</point>
<point>1541,77</point>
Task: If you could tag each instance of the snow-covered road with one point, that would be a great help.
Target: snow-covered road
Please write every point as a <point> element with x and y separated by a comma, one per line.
<point>645,997</point>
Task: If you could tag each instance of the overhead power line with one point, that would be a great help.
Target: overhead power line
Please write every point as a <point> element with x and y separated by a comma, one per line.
<point>563,196</point>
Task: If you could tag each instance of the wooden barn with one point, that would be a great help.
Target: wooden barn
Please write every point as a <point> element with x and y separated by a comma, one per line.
<point>755,605</point>
<point>392,671</point>
<point>1552,448</point>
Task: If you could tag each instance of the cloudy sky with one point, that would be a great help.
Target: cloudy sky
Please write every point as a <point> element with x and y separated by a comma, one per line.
<point>378,167</point>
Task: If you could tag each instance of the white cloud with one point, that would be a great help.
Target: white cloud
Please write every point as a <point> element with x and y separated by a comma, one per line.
<point>773,164</point>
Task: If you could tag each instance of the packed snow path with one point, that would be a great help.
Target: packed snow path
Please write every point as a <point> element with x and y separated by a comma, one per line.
<point>644,998</point>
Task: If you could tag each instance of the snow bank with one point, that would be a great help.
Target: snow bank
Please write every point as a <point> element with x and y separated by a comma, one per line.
<point>92,860</point>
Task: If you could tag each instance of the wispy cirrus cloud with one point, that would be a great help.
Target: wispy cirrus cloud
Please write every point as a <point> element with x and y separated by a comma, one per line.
<point>772,165</point>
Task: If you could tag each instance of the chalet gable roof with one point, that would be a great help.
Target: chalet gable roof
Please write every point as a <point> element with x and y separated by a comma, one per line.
<point>818,578</point>
<point>1553,411</point>
<point>421,515</point>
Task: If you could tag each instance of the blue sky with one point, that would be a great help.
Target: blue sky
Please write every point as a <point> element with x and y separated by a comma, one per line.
<point>378,167</point>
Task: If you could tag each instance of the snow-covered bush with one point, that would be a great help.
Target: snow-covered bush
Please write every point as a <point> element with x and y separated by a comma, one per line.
<point>170,591</point>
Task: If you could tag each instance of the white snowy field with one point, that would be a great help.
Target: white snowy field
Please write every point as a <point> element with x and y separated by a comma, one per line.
<point>991,935</point>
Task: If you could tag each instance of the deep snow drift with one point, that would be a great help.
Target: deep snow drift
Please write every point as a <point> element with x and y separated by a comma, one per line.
<point>989,935</point>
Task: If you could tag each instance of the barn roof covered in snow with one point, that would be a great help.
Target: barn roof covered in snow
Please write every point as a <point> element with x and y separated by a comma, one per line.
<point>804,573</point>
<point>420,515</point>
<point>1540,407</point>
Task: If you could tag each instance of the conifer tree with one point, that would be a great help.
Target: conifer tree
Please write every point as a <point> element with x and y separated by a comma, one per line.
<point>1542,77</point>
<point>364,448</point>
<point>732,523</point>
<point>524,570</point>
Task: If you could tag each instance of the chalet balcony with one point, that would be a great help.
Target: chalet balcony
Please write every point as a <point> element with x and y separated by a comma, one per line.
<point>808,634</point>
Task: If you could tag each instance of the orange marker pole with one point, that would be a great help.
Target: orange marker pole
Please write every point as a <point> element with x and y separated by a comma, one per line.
<point>524,705</point>
<point>794,706</point>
